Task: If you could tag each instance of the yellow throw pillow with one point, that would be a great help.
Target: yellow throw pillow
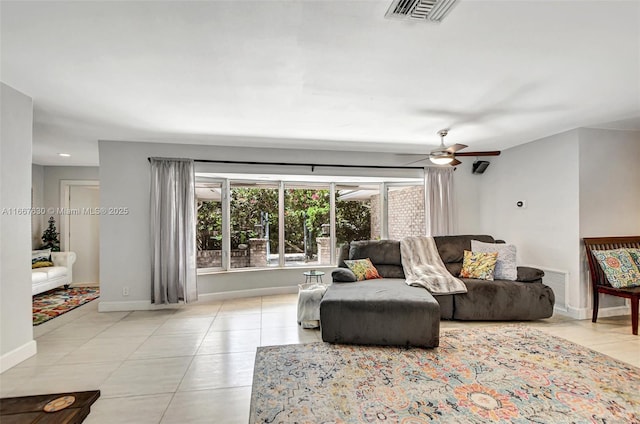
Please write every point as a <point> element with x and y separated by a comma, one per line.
<point>41,264</point>
<point>479,265</point>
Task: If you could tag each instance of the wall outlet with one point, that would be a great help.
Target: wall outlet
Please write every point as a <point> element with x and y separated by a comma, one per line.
<point>125,291</point>
<point>522,204</point>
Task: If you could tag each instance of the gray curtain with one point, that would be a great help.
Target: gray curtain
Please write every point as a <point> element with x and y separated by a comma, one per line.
<point>438,201</point>
<point>173,231</point>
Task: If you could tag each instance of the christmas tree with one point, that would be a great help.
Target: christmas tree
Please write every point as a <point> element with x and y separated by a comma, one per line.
<point>50,237</point>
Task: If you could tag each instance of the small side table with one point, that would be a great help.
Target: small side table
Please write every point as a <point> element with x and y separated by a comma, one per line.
<point>309,276</point>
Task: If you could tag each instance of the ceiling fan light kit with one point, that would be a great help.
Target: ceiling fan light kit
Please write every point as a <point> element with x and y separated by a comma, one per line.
<point>441,160</point>
<point>444,155</point>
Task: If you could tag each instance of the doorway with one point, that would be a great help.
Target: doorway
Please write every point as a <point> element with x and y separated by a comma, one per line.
<point>82,230</point>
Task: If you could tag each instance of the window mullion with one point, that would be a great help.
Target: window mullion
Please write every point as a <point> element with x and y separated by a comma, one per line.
<point>226,225</point>
<point>281,258</point>
<point>384,211</point>
<point>332,222</point>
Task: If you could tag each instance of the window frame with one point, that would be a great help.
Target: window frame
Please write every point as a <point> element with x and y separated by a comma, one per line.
<point>330,183</point>
<point>208,180</point>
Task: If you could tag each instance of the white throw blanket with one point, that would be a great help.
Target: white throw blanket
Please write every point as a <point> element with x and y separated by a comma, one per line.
<point>423,267</point>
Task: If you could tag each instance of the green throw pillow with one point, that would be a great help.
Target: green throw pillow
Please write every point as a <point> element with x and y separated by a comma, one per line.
<point>635,255</point>
<point>363,269</point>
<point>479,265</point>
<point>619,267</point>
<point>41,264</point>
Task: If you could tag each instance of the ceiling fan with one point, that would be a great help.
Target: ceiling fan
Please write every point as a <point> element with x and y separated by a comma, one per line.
<point>444,155</point>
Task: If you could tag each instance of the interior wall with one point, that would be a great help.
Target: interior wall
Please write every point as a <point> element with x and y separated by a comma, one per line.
<point>37,201</point>
<point>125,239</point>
<point>609,182</point>
<point>16,335</point>
<point>52,177</point>
<point>466,186</point>
<point>609,191</point>
<point>545,232</point>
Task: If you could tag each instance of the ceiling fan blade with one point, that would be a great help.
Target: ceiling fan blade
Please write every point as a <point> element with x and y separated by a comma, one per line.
<point>455,162</point>
<point>456,147</point>
<point>489,153</point>
<point>416,161</point>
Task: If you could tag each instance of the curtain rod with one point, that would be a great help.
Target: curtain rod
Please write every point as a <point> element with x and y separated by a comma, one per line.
<point>312,165</point>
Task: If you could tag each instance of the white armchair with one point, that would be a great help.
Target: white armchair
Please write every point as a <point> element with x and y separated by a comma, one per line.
<point>60,274</point>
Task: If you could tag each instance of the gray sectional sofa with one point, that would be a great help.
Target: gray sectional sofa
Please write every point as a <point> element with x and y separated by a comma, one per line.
<point>347,303</point>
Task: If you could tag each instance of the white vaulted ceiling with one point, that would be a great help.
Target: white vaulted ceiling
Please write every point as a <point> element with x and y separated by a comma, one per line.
<point>318,74</point>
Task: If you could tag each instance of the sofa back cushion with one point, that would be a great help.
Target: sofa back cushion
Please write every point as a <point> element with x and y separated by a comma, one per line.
<point>343,254</point>
<point>381,252</point>
<point>384,254</point>
<point>451,248</point>
<point>390,271</point>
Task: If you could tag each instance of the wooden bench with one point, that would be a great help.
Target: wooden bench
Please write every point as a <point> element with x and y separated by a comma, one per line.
<point>599,282</point>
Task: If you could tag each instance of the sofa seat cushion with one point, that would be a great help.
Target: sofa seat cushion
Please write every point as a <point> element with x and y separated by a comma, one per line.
<point>502,300</point>
<point>446,305</point>
<point>380,312</point>
<point>55,271</point>
<point>38,276</point>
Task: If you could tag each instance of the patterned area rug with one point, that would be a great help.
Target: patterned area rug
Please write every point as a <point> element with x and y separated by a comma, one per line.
<point>56,302</point>
<point>501,374</point>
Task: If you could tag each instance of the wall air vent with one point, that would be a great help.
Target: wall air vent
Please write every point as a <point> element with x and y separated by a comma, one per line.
<point>423,10</point>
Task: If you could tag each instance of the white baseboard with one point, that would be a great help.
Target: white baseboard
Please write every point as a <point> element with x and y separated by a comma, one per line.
<point>236,294</point>
<point>86,284</point>
<point>586,313</point>
<point>17,355</point>
<point>146,305</point>
<point>134,305</point>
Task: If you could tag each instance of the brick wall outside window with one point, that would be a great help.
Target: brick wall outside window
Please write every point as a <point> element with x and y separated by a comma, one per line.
<point>406,213</point>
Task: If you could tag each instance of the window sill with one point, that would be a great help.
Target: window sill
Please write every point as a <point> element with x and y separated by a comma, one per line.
<point>209,271</point>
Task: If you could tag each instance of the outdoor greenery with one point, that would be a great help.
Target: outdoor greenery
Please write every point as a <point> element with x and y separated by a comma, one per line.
<point>253,208</point>
<point>353,221</point>
<point>209,226</point>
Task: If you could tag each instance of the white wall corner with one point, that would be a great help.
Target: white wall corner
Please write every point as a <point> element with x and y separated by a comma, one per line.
<point>17,355</point>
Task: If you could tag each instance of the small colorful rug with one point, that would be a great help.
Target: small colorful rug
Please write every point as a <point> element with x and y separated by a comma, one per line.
<point>500,374</point>
<point>56,302</point>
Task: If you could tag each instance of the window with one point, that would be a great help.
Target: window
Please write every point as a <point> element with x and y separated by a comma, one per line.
<point>405,203</point>
<point>254,224</point>
<point>306,223</point>
<point>209,225</point>
<point>354,217</point>
<point>263,221</point>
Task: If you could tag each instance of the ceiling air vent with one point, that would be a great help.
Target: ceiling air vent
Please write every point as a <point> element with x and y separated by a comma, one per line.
<point>424,10</point>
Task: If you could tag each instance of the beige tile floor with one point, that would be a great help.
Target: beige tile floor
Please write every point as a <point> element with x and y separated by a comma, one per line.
<point>195,364</point>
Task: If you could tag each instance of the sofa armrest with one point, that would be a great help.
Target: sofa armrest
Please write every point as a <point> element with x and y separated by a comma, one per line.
<point>65,259</point>
<point>343,275</point>
<point>527,274</point>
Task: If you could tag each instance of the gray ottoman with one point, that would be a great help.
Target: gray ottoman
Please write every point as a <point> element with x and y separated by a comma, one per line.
<point>379,312</point>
